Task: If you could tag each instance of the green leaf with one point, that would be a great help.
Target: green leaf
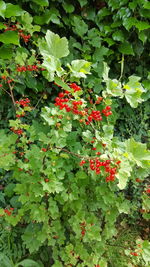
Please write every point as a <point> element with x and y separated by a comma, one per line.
<point>9,189</point>
<point>30,237</point>
<point>5,261</point>
<point>6,52</point>
<point>57,264</point>
<point>41,2</point>
<point>9,37</point>
<point>46,115</point>
<point>62,84</point>
<point>105,72</point>
<point>118,36</point>
<point>31,82</point>
<point>114,87</point>
<point>124,174</point>
<point>82,2</point>
<point>142,25</point>
<point>54,45</point>
<point>68,7</point>
<point>80,27</point>
<point>126,48</point>
<point>13,10</point>
<point>146,251</point>
<point>108,131</point>
<point>53,65</point>
<point>28,263</point>
<point>138,152</point>
<point>79,68</point>
<point>142,36</point>
<point>133,91</point>
<point>2,26</point>
<point>50,15</point>
<point>2,9</point>
<point>146,5</point>
<point>81,175</point>
<point>129,22</point>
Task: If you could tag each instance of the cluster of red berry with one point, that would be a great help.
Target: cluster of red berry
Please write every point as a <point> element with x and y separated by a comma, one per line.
<point>70,105</point>
<point>95,115</point>
<point>23,102</point>
<point>25,37</point>
<point>8,212</point>
<point>134,253</point>
<point>148,190</point>
<point>75,87</point>
<point>83,230</point>
<point>107,111</point>
<point>18,131</point>
<point>6,80</point>
<point>28,68</point>
<point>95,165</point>
<point>10,28</point>
<point>20,115</point>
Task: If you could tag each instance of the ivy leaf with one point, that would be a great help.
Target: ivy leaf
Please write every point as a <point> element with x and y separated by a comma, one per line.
<point>129,22</point>
<point>13,10</point>
<point>68,7</point>
<point>142,36</point>
<point>80,27</point>
<point>41,2</point>
<point>50,15</point>
<point>142,25</point>
<point>2,9</point>
<point>118,36</point>
<point>82,2</point>
<point>79,68</point>
<point>54,45</point>
<point>126,48</point>
<point>9,37</point>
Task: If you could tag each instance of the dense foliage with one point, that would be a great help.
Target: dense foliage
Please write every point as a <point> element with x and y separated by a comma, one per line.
<point>74,150</point>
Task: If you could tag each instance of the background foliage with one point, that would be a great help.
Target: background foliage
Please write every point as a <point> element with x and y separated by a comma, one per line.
<point>96,32</point>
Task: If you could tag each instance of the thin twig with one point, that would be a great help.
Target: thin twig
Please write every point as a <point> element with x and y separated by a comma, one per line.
<point>6,92</point>
<point>38,102</point>
<point>12,96</point>
<point>72,153</point>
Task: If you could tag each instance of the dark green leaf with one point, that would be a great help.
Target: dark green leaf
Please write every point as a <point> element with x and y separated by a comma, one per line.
<point>9,37</point>
<point>126,48</point>
<point>41,2</point>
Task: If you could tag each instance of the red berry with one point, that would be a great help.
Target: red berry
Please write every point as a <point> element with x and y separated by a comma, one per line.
<point>138,180</point>
<point>44,149</point>
<point>61,95</point>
